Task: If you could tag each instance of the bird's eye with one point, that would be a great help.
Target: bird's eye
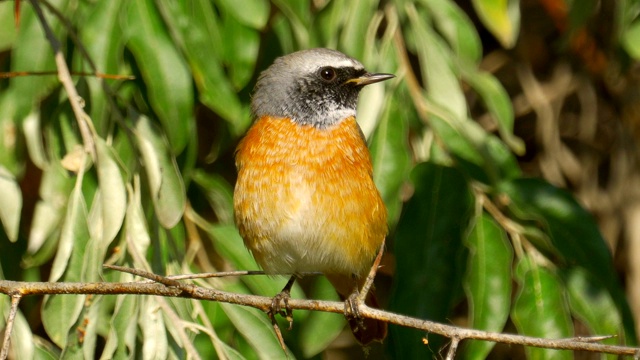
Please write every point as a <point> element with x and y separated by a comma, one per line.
<point>328,73</point>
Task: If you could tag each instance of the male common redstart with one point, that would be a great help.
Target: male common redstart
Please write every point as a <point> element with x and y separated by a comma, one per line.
<point>305,200</point>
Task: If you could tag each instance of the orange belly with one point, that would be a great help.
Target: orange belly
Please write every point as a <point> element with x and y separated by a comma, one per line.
<point>305,198</point>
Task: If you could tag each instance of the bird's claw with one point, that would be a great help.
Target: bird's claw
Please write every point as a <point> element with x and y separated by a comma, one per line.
<point>352,309</point>
<point>282,298</point>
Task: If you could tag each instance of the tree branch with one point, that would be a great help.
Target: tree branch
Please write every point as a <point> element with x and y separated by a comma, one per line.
<point>18,289</point>
<point>65,78</point>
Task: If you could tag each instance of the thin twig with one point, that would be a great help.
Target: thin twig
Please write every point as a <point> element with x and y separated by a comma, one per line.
<point>372,274</point>
<point>67,82</point>
<point>453,347</point>
<point>147,275</point>
<point>15,300</point>
<point>205,275</point>
<point>187,343</point>
<point>264,303</point>
<point>14,74</point>
<point>235,273</point>
<point>111,95</point>
<point>591,338</point>
<point>276,329</point>
<point>72,34</point>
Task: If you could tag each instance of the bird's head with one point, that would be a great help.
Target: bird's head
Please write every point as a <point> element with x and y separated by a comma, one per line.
<point>317,87</point>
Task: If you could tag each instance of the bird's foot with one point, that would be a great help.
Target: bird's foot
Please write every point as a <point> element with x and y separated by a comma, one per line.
<point>280,306</point>
<point>352,310</point>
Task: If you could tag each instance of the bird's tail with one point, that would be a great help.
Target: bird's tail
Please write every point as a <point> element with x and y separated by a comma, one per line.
<point>368,330</point>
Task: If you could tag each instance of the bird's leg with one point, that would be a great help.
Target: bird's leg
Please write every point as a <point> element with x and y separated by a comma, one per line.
<point>352,308</point>
<point>283,298</point>
<point>357,298</point>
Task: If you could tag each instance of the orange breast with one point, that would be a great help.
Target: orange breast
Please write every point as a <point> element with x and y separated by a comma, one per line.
<point>305,198</point>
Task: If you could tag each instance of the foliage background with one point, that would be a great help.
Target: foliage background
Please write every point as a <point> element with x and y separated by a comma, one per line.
<point>506,121</point>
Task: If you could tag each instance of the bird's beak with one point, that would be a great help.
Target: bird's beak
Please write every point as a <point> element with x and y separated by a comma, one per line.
<point>369,78</point>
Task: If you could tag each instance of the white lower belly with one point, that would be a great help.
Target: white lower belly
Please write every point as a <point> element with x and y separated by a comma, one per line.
<point>300,246</point>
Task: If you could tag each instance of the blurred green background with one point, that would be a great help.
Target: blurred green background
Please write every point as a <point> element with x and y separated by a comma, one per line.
<point>505,150</point>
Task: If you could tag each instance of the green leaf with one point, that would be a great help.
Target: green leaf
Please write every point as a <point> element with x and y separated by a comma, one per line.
<point>573,232</point>
<point>135,224</point>
<point>45,350</point>
<point>9,151</point>
<point>164,71</point>
<point>81,338</point>
<point>31,127</point>
<point>7,26</point>
<point>154,335</point>
<point>436,64</point>
<point>218,192</point>
<point>227,241</point>
<point>497,102</point>
<point>31,41</point>
<point>197,26</point>
<point>55,187</point>
<point>430,256</point>
<point>540,308</point>
<point>321,328</point>
<point>93,257</point>
<point>284,32</point>
<point>10,204</point>
<point>373,104</point>
<point>165,181</point>
<point>102,38</point>
<point>501,18</point>
<point>592,304</point>
<point>89,323</point>
<point>359,13</point>
<point>631,40</point>
<point>121,341</point>
<point>240,50</point>
<point>254,13</point>
<point>113,199</point>
<point>299,18</point>
<point>329,23</point>
<point>73,235</point>
<point>229,352</point>
<point>480,155</point>
<point>457,143</point>
<point>457,28</point>
<point>488,281</point>
<point>255,327</point>
<point>59,314</point>
<point>390,159</point>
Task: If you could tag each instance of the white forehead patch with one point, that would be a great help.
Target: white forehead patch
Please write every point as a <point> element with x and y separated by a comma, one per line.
<point>313,59</point>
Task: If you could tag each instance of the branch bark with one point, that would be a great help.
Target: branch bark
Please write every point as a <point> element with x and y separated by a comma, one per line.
<point>21,289</point>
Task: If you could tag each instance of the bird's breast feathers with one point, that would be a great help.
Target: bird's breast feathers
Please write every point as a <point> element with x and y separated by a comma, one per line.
<point>305,198</point>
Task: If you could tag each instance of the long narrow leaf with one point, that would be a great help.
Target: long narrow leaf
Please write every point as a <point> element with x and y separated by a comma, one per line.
<point>540,308</point>
<point>164,71</point>
<point>429,240</point>
<point>165,181</point>
<point>488,281</point>
<point>10,204</point>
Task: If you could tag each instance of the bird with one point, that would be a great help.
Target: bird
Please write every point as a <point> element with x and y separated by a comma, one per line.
<point>305,199</point>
